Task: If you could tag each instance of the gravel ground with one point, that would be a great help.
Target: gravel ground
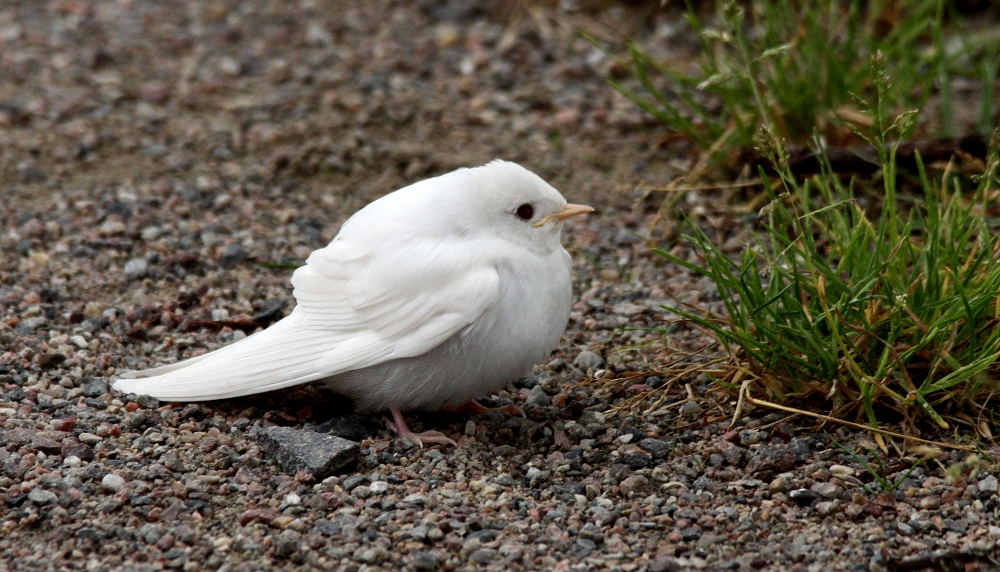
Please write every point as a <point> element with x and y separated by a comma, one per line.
<point>165,163</point>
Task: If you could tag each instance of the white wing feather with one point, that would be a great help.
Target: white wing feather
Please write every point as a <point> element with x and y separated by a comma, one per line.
<point>355,309</point>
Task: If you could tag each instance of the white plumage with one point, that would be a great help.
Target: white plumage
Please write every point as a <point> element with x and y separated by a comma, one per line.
<point>432,296</point>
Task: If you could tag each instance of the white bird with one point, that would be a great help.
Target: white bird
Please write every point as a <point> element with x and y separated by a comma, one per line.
<point>428,298</point>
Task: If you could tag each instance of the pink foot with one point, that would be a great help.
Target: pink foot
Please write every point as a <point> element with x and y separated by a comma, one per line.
<point>474,408</point>
<point>398,426</point>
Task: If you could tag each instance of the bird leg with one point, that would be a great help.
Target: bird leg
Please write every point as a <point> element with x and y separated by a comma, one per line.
<point>475,408</point>
<point>398,426</point>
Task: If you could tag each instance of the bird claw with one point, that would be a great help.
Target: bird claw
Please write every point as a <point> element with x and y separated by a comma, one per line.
<point>419,439</point>
<point>398,426</point>
<point>513,411</point>
<point>475,408</point>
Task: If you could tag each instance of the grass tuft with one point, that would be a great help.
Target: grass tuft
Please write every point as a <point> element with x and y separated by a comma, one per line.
<point>873,313</point>
<point>796,66</point>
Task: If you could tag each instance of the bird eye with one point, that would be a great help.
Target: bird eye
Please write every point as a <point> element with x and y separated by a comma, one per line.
<point>526,211</point>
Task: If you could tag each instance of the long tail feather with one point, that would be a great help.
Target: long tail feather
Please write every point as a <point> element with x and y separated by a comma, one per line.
<point>283,355</point>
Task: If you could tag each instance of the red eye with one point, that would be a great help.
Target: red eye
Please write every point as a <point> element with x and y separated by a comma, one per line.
<point>526,211</point>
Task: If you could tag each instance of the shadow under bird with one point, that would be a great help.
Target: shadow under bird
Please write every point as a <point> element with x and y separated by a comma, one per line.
<point>428,298</point>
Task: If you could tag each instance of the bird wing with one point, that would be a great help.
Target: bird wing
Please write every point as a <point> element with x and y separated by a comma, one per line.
<point>357,307</point>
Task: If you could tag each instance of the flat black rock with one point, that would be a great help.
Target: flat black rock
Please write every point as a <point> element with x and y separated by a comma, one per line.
<point>351,427</point>
<point>315,453</point>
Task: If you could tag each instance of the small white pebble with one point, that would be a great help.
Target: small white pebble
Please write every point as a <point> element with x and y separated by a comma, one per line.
<point>292,499</point>
<point>841,470</point>
<point>89,438</point>
<point>379,487</point>
<point>72,462</point>
<point>112,483</point>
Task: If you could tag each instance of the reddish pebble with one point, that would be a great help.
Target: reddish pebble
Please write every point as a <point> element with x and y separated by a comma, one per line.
<point>264,515</point>
<point>64,424</point>
<point>131,406</point>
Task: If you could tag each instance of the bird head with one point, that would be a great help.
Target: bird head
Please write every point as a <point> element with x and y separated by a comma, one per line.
<point>511,203</point>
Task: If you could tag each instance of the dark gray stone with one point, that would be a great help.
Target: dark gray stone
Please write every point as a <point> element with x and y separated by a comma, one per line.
<point>803,497</point>
<point>351,427</point>
<point>538,397</point>
<point>149,533</point>
<point>315,453</point>
<point>232,255</point>
<point>95,388</point>
<point>483,556</point>
<point>957,525</point>
<point>425,561</point>
<point>691,533</point>
<point>269,311</point>
<point>776,459</point>
<point>656,447</point>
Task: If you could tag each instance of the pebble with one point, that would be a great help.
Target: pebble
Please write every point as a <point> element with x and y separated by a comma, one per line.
<point>827,490</point>
<point>587,360</point>
<point>803,497</point>
<point>112,483</point>
<point>776,459</point>
<point>750,437</point>
<point>842,470</point>
<point>826,508</point>
<point>538,397</point>
<point>414,499</point>
<point>691,408</point>
<point>95,388</point>
<point>483,556</point>
<point>232,255</point>
<point>633,484</point>
<point>989,485</point>
<point>424,561</point>
<point>378,487</point>
<point>42,496</point>
<point>89,438</point>
<point>136,268</point>
<point>315,453</point>
<point>32,324</point>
